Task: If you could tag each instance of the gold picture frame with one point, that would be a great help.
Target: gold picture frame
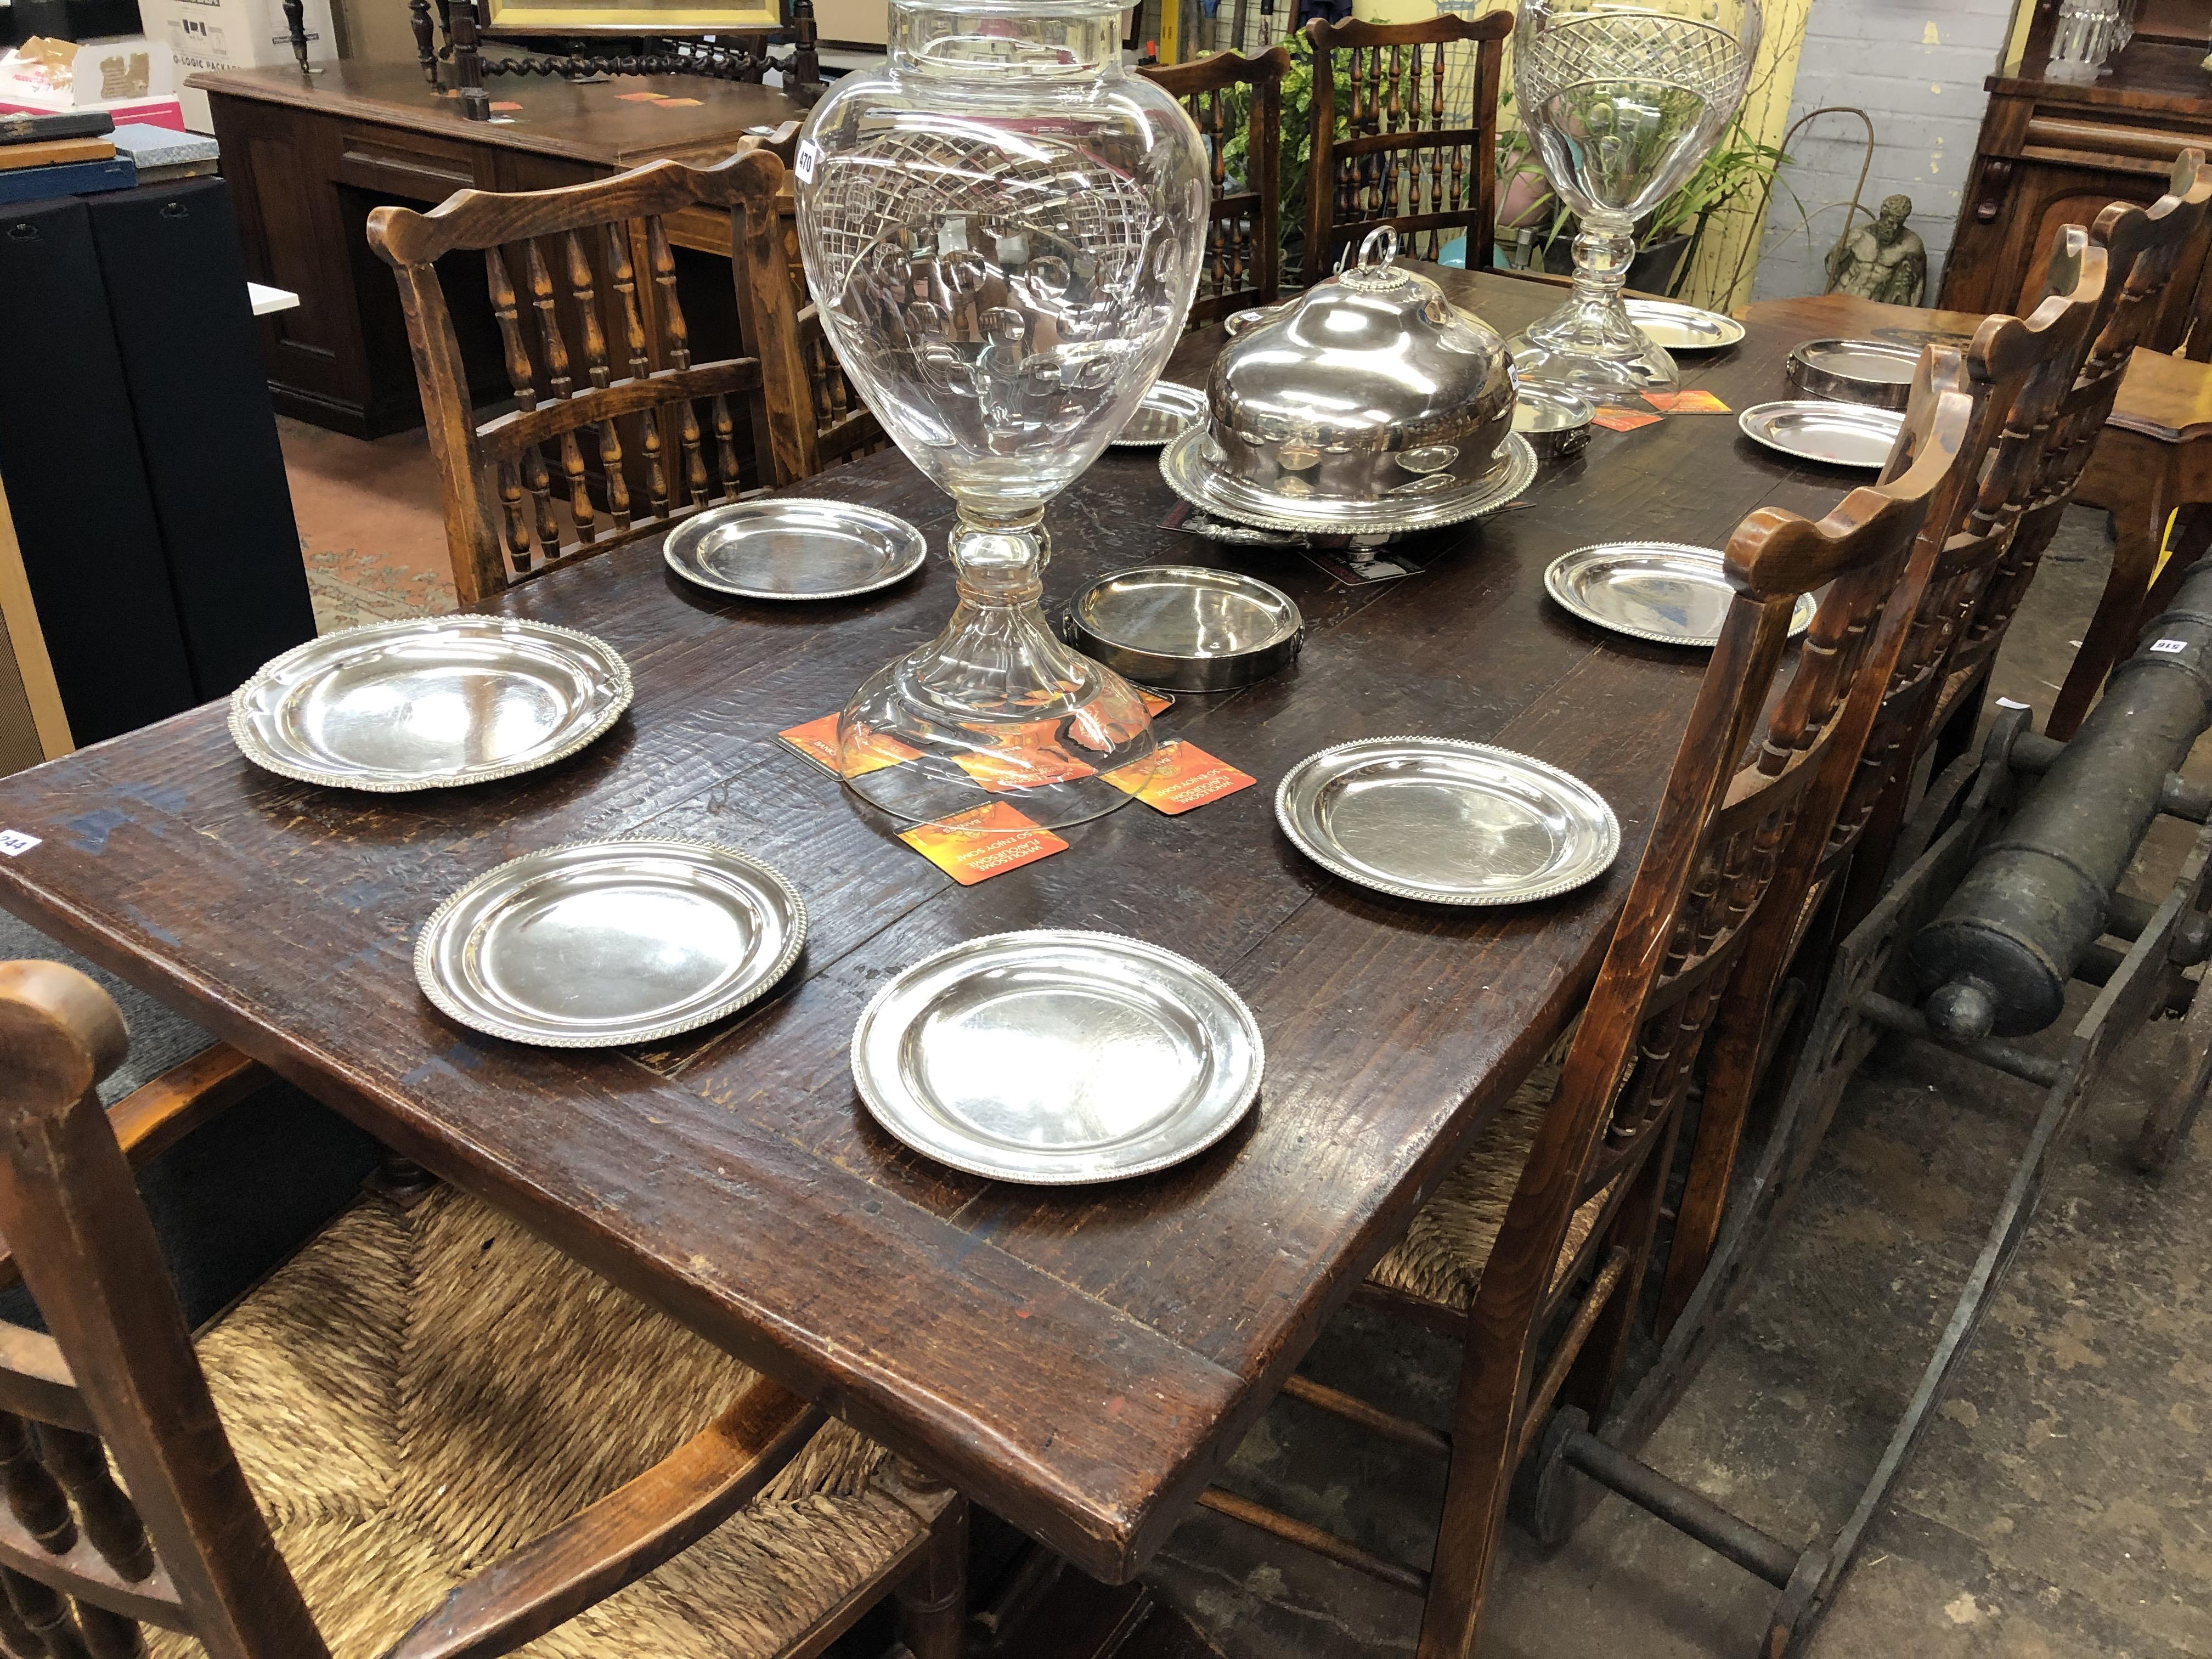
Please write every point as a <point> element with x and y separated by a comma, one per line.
<point>639,17</point>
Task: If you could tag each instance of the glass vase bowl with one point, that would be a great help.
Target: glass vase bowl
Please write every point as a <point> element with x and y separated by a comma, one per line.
<point>1621,104</point>
<point>1002,231</point>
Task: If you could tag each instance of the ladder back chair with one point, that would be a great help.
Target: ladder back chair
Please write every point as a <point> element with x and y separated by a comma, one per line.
<point>1544,1229</point>
<point>1420,154</point>
<point>425,1435</point>
<point>1244,258</point>
<point>2014,376</point>
<point>841,428</point>
<point>2145,249</point>
<point>604,366</point>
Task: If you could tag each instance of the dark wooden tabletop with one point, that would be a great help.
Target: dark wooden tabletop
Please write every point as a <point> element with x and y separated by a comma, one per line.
<point>1081,1361</point>
<point>599,123</point>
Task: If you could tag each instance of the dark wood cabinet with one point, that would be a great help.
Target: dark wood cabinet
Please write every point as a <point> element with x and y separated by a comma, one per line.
<point>2053,152</point>
<point>307,159</point>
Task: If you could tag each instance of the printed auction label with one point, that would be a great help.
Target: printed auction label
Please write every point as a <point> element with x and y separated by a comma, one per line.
<point>818,741</point>
<point>1179,777</point>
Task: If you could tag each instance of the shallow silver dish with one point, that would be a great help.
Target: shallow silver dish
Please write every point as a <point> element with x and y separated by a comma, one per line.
<point>788,549</point>
<point>1663,591</point>
<point>428,703</point>
<point>1057,1056</point>
<point>1186,627</point>
<point>608,942</point>
<point>1556,423</point>
<point>1448,822</point>
<point>1815,430</point>
<point>1168,411</point>
<point>1678,327</point>
<point>1878,372</point>
<point>1187,466</point>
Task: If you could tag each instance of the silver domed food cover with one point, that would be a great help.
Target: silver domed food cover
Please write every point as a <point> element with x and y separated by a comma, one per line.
<point>1371,401</point>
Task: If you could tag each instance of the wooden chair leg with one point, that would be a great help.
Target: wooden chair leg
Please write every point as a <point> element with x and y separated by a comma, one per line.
<point>1493,1376</point>
<point>2142,528</point>
<point>933,1598</point>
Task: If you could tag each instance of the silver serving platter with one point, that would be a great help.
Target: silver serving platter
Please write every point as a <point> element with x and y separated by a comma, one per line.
<point>1186,627</point>
<point>789,549</point>
<point>1663,591</point>
<point>1678,327</point>
<point>1448,822</point>
<point>1556,422</point>
<point>601,942</point>
<point>1057,1056</point>
<point>1875,372</point>
<point>1816,429</point>
<point>428,703</point>
<point>1186,466</point>
<point>1168,411</point>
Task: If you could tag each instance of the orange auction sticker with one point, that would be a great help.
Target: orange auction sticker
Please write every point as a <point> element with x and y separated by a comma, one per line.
<point>1621,420</point>
<point>1179,777</point>
<point>1022,766</point>
<point>818,741</point>
<point>982,842</point>
<point>1687,403</point>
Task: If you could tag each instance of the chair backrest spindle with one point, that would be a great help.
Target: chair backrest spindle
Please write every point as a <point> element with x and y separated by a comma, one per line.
<point>1242,263</point>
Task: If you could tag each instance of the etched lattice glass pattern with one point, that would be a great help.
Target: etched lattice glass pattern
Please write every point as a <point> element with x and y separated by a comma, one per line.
<point>1003,232</point>
<point>1619,103</point>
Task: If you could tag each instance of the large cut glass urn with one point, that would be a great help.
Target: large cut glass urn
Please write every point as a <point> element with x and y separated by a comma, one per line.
<point>1002,231</point>
<point>1621,102</point>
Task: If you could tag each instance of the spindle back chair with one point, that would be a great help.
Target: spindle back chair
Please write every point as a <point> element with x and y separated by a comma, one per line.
<point>605,363</point>
<point>842,427</point>
<point>2144,248</point>
<point>1244,227</point>
<point>182,1545</point>
<point>1421,154</point>
<point>2014,376</point>
<point>1544,1228</point>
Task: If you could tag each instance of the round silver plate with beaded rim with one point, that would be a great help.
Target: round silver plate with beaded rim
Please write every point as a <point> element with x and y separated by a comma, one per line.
<point>1664,591</point>
<point>429,703</point>
<point>1678,327</point>
<point>1185,466</point>
<point>1167,411</point>
<point>1057,1056</point>
<point>787,548</point>
<point>597,944</point>
<point>1447,821</point>
<point>1815,430</point>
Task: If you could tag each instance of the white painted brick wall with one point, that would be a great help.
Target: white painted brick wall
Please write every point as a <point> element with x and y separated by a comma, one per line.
<point>1925,98</point>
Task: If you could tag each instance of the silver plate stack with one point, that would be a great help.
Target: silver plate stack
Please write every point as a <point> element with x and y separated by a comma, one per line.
<point>1057,1056</point>
<point>1186,627</point>
<point>1876,373</point>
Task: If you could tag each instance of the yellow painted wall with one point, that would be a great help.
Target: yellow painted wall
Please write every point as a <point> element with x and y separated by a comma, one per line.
<point>1729,256</point>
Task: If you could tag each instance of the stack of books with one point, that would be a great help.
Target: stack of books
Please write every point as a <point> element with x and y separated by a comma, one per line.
<point>70,153</point>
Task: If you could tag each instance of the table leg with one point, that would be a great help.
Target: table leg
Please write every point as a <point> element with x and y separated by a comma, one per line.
<point>2140,526</point>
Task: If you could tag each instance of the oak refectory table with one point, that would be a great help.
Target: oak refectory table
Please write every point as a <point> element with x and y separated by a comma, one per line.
<point>1082,1360</point>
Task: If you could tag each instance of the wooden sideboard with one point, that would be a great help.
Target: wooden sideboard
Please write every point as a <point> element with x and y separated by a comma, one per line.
<point>2053,152</point>
<point>308,157</point>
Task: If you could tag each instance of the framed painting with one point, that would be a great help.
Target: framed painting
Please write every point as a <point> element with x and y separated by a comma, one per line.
<point>640,17</point>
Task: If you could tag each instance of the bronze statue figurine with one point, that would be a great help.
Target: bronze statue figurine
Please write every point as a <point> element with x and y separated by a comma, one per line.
<point>1883,261</point>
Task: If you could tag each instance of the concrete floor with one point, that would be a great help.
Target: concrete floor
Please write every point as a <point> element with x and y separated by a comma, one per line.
<point>2060,1504</point>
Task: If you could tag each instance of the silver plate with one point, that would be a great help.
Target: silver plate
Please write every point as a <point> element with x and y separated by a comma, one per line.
<point>428,703</point>
<point>1448,822</point>
<point>1814,429</point>
<point>789,549</point>
<point>1679,327</point>
<point>1879,373</point>
<point>1183,464</point>
<point>1057,1056</point>
<point>1168,411</point>
<point>1186,627</point>
<point>607,942</point>
<point>1663,591</point>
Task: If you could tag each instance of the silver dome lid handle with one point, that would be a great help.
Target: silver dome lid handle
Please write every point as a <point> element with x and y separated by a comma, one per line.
<point>1385,235</point>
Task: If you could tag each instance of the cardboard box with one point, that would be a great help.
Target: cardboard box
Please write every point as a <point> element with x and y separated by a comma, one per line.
<point>63,75</point>
<point>230,35</point>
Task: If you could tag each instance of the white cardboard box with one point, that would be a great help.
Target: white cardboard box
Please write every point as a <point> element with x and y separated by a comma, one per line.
<point>226,34</point>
